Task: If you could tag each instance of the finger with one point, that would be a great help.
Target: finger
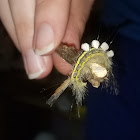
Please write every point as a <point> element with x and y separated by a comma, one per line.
<point>6,18</point>
<point>50,23</point>
<point>79,13</point>
<point>61,65</point>
<point>23,17</point>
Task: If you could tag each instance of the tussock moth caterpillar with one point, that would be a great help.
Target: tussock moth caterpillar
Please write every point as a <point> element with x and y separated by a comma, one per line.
<point>93,64</point>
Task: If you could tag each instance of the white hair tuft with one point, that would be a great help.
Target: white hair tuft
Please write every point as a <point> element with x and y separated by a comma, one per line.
<point>110,53</point>
<point>85,46</point>
<point>95,44</point>
<point>104,46</point>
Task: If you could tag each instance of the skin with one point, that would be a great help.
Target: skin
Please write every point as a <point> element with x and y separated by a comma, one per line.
<point>37,27</point>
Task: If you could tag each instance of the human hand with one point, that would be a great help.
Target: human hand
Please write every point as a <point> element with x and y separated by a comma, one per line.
<point>37,27</point>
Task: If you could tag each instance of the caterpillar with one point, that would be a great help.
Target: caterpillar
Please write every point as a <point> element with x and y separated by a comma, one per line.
<point>93,64</point>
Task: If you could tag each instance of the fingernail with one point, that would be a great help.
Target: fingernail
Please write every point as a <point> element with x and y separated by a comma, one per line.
<point>33,65</point>
<point>44,39</point>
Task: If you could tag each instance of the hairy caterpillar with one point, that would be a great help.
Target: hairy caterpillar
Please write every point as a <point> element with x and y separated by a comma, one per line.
<point>93,64</point>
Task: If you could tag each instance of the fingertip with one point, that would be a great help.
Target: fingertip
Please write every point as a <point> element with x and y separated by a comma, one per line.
<point>44,43</point>
<point>45,50</point>
<point>48,65</point>
<point>35,75</point>
<point>37,67</point>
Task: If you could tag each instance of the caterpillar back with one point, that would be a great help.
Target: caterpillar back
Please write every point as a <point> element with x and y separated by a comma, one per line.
<point>93,64</point>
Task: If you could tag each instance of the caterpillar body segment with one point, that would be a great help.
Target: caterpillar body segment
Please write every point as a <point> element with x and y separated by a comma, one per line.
<point>94,64</point>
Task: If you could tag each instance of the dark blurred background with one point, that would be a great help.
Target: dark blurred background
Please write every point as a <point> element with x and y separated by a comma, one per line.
<point>24,114</point>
